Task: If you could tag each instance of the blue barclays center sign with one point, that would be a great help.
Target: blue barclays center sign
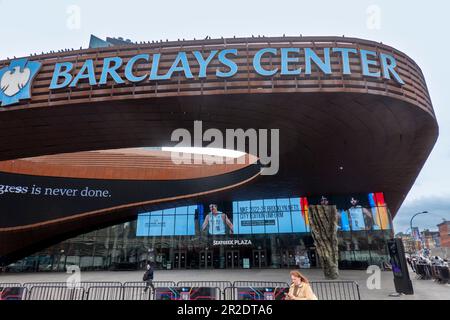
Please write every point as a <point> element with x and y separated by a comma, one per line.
<point>63,76</point>
<point>16,79</point>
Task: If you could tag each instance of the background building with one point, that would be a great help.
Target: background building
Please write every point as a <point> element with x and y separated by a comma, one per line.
<point>444,234</point>
<point>409,243</point>
<point>430,239</point>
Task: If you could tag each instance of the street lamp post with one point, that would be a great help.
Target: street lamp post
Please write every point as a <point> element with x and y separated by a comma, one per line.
<point>411,226</point>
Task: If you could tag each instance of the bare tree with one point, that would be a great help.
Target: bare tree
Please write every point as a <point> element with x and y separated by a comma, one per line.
<point>323,221</point>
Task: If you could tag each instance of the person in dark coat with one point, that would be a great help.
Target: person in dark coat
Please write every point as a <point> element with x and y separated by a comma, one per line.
<point>148,278</point>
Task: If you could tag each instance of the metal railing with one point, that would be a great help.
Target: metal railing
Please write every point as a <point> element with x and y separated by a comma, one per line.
<point>324,290</point>
<point>87,284</point>
<point>136,290</point>
<point>230,293</point>
<point>47,292</point>
<point>193,293</point>
<point>271,284</point>
<point>255,293</point>
<point>336,290</point>
<point>218,284</point>
<point>440,274</point>
<point>443,275</point>
<point>423,271</point>
<point>156,284</point>
<point>10,284</point>
<point>105,293</point>
<point>12,291</point>
<point>29,285</point>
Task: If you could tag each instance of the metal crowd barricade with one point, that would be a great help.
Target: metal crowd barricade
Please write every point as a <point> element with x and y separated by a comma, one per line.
<point>231,293</point>
<point>136,290</point>
<point>194,293</point>
<point>12,291</point>
<point>29,285</point>
<point>336,290</point>
<point>435,272</point>
<point>46,292</point>
<point>218,284</point>
<point>423,271</point>
<point>420,271</point>
<point>10,284</point>
<point>444,274</point>
<point>324,290</point>
<point>87,284</point>
<point>260,284</point>
<point>156,284</point>
<point>105,293</point>
<point>219,293</point>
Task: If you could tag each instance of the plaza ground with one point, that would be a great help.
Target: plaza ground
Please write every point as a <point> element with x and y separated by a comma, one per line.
<point>424,289</point>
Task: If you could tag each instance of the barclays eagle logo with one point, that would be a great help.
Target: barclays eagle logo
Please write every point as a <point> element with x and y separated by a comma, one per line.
<point>15,80</point>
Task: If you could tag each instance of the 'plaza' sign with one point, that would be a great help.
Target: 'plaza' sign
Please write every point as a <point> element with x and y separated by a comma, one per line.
<point>17,77</point>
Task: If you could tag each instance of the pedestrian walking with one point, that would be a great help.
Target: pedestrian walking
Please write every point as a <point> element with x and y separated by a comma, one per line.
<point>148,278</point>
<point>300,288</point>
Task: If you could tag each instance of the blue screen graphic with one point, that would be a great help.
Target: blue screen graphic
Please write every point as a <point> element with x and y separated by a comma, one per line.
<point>268,216</point>
<point>178,221</point>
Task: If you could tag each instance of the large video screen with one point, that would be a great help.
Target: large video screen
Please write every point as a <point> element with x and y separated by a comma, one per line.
<point>356,212</point>
<point>269,216</point>
<point>179,221</point>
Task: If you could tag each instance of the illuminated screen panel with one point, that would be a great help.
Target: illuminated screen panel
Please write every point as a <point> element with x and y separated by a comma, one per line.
<point>358,212</point>
<point>179,221</point>
<point>268,216</point>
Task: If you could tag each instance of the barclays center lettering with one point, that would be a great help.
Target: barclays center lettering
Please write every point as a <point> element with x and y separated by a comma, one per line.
<point>222,64</point>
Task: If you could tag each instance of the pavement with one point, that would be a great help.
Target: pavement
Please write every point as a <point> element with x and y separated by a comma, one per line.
<point>424,289</point>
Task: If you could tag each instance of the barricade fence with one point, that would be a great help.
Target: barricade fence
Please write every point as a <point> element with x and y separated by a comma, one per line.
<point>105,293</point>
<point>438,273</point>
<point>12,291</point>
<point>336,290</point>
<point>218,284</point>
<point>45,292</point>
<point>169,290</point>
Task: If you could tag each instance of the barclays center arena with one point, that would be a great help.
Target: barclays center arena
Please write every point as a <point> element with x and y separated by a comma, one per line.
<point>86,177</point>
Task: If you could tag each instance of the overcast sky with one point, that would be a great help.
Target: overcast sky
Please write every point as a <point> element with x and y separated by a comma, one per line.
<point>418,28</point>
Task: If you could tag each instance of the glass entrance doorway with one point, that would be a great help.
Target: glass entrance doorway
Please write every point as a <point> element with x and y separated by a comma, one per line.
<point>288,259</point>
<point>232,259</point>
<point>312,257</point>
<point>206,258</point>
<point>259,259</point>
<point>180,259</point>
